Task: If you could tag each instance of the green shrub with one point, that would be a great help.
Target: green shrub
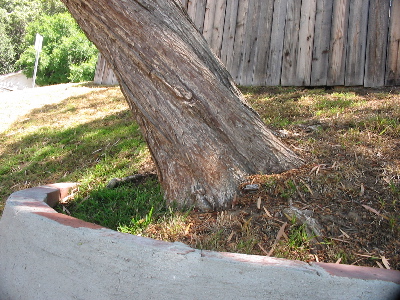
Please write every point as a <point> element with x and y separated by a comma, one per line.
<point>7,53</point>
<point>15,15</point>
<point>67,54</point>
<point>84,71</point>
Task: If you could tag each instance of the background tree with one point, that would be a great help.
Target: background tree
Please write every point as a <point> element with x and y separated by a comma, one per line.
<point>203,137</point>
<point>67,54</point>
<point>15,15</point>
<point>7,54</point>
<point>52,7</point>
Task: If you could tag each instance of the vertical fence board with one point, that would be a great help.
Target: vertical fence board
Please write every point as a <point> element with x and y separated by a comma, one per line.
<point>302,43</point>
<point>237,57</point>
<point>209,18</point>
<point>321,46</point>
<point>100,69</point>
<point>263,42</point>
<point>228,38</point>
<point>274,57</point>
<point>196,10</point>
<point>378,27</point>
<point>356,42</point>
<point>104,74</point>
<point>337,56</point>
<point>185,4</point>
<point>250,42</point>
<point>306,39</point>
<point>218,29</point>
<point>291,43</point>
<point>393,65</point>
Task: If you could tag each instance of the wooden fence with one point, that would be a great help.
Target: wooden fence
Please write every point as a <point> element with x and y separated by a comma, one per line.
<point>302,42</point>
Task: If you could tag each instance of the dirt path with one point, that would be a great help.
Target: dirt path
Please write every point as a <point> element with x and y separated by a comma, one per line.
<point>16,104</point>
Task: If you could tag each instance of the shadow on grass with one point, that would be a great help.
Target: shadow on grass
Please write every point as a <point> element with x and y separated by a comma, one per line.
<point>75,140</point>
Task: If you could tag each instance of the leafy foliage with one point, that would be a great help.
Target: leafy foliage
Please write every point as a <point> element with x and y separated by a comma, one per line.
<point>15,15</point>
<point>7,53</point>
<point>67,54</point>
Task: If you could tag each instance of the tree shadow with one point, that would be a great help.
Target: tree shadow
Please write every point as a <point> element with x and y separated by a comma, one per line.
<point>50,144</point>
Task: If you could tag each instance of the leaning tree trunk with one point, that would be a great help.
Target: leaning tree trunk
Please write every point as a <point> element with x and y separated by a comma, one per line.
<point>203,137</point>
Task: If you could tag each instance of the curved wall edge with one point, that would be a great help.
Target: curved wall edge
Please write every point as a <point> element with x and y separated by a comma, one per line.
<point>48,255</point>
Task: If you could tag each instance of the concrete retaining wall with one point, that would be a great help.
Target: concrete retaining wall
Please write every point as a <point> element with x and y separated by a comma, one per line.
<point>47,255</point>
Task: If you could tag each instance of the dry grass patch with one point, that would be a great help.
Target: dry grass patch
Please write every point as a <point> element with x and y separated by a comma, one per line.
<point>342,206</point>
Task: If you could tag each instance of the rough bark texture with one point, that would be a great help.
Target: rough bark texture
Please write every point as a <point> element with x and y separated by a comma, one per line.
<point>203,138</point>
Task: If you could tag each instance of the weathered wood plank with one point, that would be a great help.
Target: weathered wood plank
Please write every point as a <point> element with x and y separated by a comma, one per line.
<point>291,43</point>
<point>322,36</point>
<point>306,39</point>
<point>100,69</point>
<point>229,34</point>
<point>393,61</point>
<point>378,27</point>
<point>209,17</point>
<point>249,43</point>
<point>218,29</point>
<point>104,74</point>
<point>262,47</point>
<point>356,42</point>
<point>308,42</point>
<point>185,4</point>
<point>237,58</point>
<point>337,58</point>
<point>197,10</point>
<point>274,58</point>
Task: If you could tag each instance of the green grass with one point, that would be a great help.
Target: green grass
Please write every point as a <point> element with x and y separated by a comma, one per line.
<point>93,138</point>
<point>128,208</point>
<point>90,144</point>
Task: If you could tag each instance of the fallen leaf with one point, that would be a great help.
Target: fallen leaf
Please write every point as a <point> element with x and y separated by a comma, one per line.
<point>373,210</point>
<point>234,201</point>
<point>385,262</point>
<point>65,210</point>
<point>262,249</point>
<point>362,190</point>
<point>316,169</point>
<point>307,186</point>
<point>278,237</point>
<point>267,212</point>
<point>344,241</point>
<point>344,233</point>
<point>338,261</point>
<point>230,236</point>
<point>298,192</point>
<point>379,265</point>
<point>259,203</point>
<point>187,229</point>
<point>368,256</point>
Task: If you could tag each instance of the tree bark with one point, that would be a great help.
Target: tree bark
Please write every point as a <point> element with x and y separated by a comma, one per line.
<point>203,137</point>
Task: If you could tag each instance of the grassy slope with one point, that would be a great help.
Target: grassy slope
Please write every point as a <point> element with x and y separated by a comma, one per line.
<point>351,134</point>
<point>87,139</point>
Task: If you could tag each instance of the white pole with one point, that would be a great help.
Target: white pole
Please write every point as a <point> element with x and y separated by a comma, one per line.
<point>38,48</point>
<point>35,69</point>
